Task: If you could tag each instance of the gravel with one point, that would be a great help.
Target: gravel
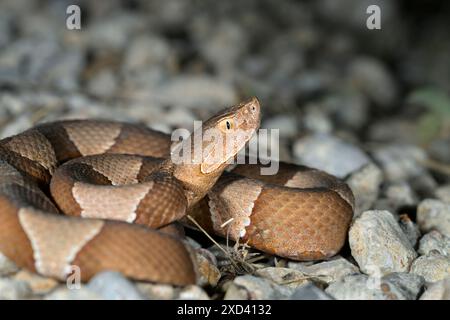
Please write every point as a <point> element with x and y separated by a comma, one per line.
<point>113,286</point>
<point>168,64</point>
<point>379,245</point>
<point>330,154</point>
<point>7,267</point>
<point>434,215</point>
<point>254,288</point>
<point>433,267</point>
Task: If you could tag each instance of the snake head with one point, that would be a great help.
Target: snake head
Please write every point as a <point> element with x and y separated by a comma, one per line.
<point>226,133</point>
<point>213,146</point>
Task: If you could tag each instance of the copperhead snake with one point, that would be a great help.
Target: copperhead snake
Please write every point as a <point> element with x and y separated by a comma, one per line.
<point>121,191</point>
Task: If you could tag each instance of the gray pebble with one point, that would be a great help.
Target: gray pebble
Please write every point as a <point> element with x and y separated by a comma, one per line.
<point>287,125</point>
<point>357,287</point>
<point>284,276</point>
<point>379,245</point>
<point>409,284</point>
<point>113,285</point>
<point>221,45</point>
<point>103,84</point>
<point>7,267</point>
<point>433,267</point>
<point>309,292</point>
<point>316,120</point>
<point>400,194</point>
<point>391,130</point>
<point>6,25</point>
<point>374,80</point>
<point>82,293</point>
<point>434,241</point>
<point>362,287</point>
<point>14,289</point>
<point>112,33</point>
<point>19,124</point>
<point>400,162</point>
<point>349,108</point>
<point>156,291</point>
<point>327,271</point>
<point>437,291</point>
<point>330,154</point>
<point>193,293</point>
<point>254,288</point>
<point>365,184</point>
<point>434,215</point>
<point>443,193</point>
<point>146,51</point>
<point>39,285</point>
<point>195,92</point>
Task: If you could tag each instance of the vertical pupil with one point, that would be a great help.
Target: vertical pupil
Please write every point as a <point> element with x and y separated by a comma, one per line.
<point>228,125</point>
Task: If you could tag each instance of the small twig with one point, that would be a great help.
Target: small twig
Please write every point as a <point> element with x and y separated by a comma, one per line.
<point>206,233</point>
<point>212,239</point>
<point>436,166</point>
<point>226,222</point>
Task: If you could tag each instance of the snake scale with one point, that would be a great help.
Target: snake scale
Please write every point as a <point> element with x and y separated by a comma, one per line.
<point>121,193</point>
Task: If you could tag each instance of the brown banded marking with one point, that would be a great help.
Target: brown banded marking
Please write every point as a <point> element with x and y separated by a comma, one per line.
<point>110,202</point>
<point>232,207</point>
<point>34,146</point>
<point>55,240</point>
<point>92,138</point>
<point>112,167</point>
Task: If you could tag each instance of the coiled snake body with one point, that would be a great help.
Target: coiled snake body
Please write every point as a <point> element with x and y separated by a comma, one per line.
<point>121,181</point>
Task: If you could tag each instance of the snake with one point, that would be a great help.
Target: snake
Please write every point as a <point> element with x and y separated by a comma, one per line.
<point>94,195</point>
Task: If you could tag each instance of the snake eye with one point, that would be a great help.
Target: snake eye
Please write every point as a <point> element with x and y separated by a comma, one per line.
<point>228,125</point>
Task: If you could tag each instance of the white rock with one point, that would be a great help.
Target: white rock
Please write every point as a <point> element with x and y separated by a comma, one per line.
<point>64,293</point>
<point>155,291</point>
<point>408,284</point>
<point>329,154</point>
<point>103,84</point>
<point>193,293</point>
<point>309,292</point>
<point>7,267</point>
<point>316,120</point>
<point>400,162</point>
<point>443,193</point>
<point>287,125</point>
<point>113,285</point>
<point>396,286</point>
<point>253,288</point>
<point>374,80</point>
<point>434,241</point>
<point>39,285</point>
<point>433,267</point>
<point>284,276</point>
<point>434,215</point>
<point>195,92</point>
<point>365,184</point>
<point>400,194</point>
<point>14,289</point>
<point>379,245</point>
<point>327,271</point>
<point>437,291</point>
<point>145,51</point>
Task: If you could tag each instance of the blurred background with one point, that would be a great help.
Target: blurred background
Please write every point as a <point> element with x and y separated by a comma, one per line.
<point>369,106</point>
<point>342,95</point>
